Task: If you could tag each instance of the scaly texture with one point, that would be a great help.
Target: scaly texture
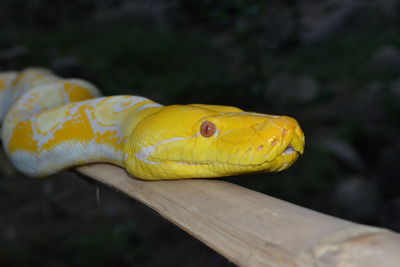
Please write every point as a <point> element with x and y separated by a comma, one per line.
<point>50,124</point>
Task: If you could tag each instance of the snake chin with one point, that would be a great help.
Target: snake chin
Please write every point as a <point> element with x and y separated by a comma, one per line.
<point>188,163</point>
<point>292,154</point>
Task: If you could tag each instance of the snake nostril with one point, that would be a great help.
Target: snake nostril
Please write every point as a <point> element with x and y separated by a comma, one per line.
<point>260,148</point>
<point>284,132</point>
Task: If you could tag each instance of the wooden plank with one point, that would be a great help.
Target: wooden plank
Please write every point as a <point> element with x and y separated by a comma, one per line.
<point>253,229</point>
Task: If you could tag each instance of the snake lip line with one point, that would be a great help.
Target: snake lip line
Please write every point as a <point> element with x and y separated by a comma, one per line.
<point>205,163</point>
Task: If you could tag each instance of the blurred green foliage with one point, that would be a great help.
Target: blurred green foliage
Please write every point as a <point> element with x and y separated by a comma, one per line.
<point>119,244</point>
<point>127,59</point>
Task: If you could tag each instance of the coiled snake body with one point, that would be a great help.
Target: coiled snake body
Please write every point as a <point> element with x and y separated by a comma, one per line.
<point>50,124</point>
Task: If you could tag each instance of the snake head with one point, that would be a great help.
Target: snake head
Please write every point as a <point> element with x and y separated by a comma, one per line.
<point>194,141</point>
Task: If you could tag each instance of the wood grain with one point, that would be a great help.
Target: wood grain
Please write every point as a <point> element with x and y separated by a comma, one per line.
<point>253,229</point>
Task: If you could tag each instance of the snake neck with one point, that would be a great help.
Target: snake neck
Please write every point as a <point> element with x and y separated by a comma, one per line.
<point>115,119</point>
<point>64,123</point>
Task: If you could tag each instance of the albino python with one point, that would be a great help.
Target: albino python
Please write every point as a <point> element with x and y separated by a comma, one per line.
<point>51,124</point>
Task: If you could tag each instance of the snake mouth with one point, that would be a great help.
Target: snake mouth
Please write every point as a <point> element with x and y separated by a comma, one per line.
<point>295,145</point>
<point>289,150</point>
<point>288,155</point>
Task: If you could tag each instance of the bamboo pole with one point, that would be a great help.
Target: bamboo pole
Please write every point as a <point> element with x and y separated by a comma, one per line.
<point>253,229</point>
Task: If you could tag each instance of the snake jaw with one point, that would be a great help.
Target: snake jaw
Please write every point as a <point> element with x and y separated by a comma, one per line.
<point>281,161</point>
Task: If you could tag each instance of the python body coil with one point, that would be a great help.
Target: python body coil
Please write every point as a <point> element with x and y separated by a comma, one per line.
<point>51,124</point>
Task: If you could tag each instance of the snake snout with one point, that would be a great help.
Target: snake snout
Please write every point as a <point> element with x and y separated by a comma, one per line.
<point>283,136</point>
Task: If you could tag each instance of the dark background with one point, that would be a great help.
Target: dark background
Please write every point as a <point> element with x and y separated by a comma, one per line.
<point>334,65</point>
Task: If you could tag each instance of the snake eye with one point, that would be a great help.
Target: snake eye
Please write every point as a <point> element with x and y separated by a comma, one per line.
<point>207,129</point>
